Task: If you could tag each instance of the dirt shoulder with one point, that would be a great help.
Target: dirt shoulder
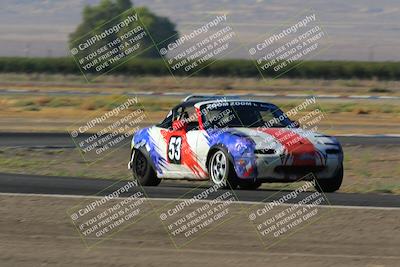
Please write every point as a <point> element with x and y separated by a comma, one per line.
<point>35,231</point>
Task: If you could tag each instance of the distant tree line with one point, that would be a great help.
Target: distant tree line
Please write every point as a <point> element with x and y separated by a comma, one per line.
<point>234,68</point>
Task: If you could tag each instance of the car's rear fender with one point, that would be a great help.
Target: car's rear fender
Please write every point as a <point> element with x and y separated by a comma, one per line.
<point>146,154</point>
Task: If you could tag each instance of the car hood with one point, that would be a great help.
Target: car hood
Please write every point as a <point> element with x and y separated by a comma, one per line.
<point>281,138</point>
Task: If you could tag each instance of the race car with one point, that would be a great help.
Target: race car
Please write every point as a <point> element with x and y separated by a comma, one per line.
<point>236,142</point>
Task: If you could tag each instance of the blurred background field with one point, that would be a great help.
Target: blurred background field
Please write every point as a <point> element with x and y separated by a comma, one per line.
<point>51,102</point>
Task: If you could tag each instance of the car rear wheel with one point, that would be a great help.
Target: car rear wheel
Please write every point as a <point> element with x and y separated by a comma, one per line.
<point>143,171</point>
<point>331,184</point>
<point>221,170</point>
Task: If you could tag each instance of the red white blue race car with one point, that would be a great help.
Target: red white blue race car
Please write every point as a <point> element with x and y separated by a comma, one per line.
<point>243,143</point>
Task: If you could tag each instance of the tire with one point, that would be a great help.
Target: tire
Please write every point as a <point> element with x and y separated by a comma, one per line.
<point>249,185</point>
<point>221,170</point>
<point>143,171</point>
<point>331,184</point>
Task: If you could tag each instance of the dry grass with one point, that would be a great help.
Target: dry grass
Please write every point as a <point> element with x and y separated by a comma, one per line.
<point>57,113</point>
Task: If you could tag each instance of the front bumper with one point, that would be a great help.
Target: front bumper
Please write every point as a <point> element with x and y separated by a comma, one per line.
<point>131,159</point>
<point>271,168</point>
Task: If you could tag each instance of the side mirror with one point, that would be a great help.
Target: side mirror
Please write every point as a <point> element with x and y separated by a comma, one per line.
<point>295,124</point>
<point>179,125</point>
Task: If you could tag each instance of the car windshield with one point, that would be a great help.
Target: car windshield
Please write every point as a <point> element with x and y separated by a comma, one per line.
<point>243,114</point>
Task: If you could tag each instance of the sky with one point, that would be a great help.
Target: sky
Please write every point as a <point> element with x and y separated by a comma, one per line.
<point>357,29</point>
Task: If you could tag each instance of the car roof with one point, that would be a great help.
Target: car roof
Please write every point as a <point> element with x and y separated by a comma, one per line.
<point>191,100</point>
<point>198,104</point>
<point>199,100</point>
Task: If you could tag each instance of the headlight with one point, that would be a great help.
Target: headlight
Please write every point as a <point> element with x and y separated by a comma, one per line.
<point>327,143</point>
<point>243,148</point>
<point>265,151</point>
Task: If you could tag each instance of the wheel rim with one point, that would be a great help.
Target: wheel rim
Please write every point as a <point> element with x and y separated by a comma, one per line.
<point>140,165</point>
<point>218,167</point>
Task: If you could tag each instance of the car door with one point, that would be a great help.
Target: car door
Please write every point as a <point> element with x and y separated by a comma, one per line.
<point>181,145</point>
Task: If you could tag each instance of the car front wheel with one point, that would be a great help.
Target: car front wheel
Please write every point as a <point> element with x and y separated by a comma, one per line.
<point>221,170</point>
<point>330,184</point>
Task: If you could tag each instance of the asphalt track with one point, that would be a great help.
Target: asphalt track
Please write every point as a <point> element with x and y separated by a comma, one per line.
<point>64,140</point>
<point>34,184</point>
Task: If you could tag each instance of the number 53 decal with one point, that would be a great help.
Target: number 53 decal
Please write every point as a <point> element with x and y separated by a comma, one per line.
<point>174,149</point>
